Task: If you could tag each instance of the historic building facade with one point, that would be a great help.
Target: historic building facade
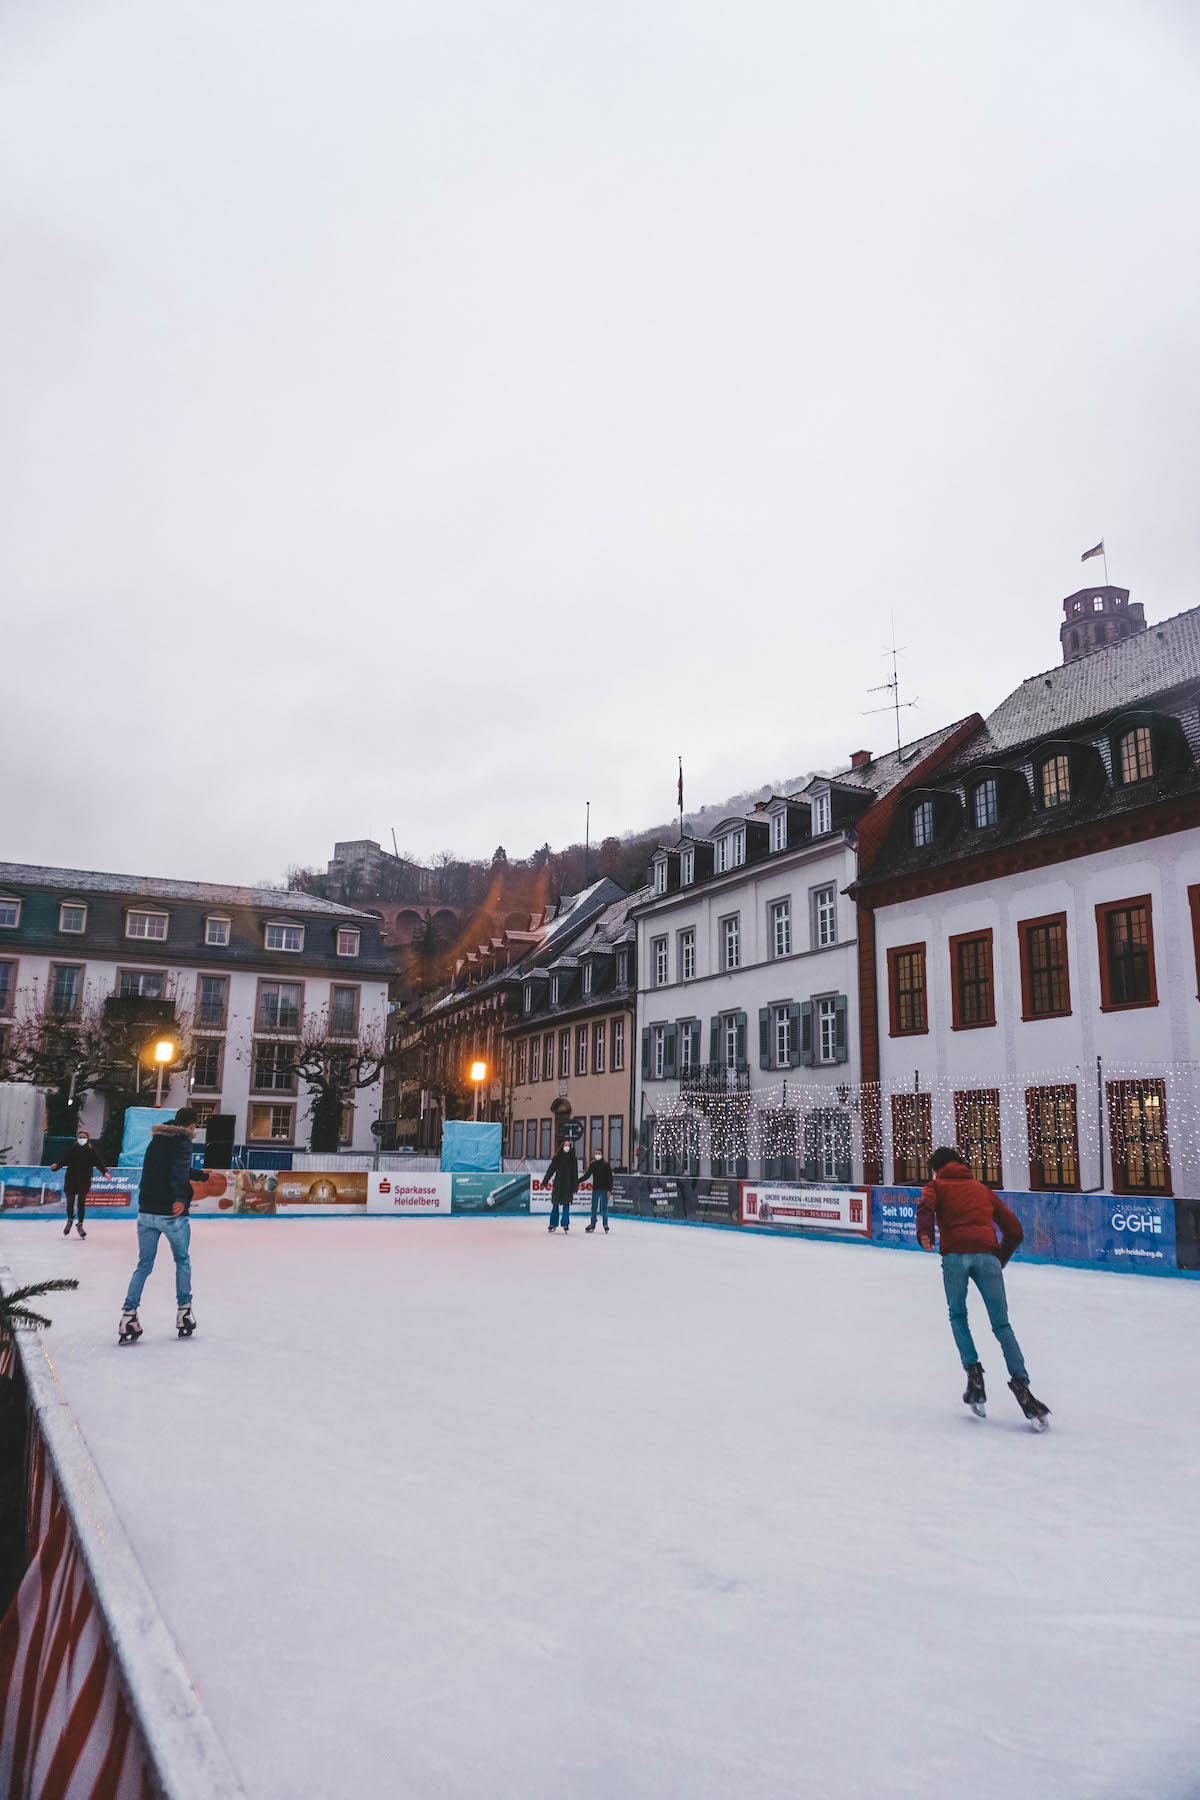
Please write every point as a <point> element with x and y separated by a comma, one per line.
<point>1031,926</point>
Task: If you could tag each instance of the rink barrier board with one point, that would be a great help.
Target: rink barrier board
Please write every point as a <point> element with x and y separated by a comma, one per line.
<point>103,1704</point>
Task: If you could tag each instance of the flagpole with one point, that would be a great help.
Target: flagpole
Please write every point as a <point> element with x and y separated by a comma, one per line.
<point>681,799</point>
<point>1104,559</point>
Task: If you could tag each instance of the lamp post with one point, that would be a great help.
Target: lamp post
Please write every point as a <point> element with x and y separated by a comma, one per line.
<point>478,1076</point>
<point>164,1052</point>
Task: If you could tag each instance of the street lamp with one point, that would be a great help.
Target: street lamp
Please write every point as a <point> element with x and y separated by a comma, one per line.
<point>478,1076</point>
<point>164,1052</point>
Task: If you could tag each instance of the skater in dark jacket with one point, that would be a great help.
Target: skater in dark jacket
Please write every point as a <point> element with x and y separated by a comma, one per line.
<point>562,1178</point>
<point>164,1198</point>
<point>967,1215</point>
<point>80,1162</point>
<point>600,1174</point>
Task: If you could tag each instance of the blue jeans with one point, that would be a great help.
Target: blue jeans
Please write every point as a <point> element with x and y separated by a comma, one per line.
<point>178,1233</point>
<point>600,1199</point>
<point>566,1214</point>
<point>988,1276</point>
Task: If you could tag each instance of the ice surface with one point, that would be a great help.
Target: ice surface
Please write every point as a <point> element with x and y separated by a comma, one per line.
<point>457,1508</point>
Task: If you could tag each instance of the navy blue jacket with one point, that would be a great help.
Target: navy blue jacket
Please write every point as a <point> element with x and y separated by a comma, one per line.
<point>167,1170</point>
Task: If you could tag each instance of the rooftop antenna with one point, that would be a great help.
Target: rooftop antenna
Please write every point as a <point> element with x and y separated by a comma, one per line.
<point>587,841</point>
<point>892,687</point>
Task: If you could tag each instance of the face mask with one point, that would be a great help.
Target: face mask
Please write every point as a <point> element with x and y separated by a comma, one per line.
<point>81,1140</point>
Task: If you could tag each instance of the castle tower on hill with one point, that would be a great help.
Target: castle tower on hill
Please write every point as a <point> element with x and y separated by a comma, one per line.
<point>1097,616</point>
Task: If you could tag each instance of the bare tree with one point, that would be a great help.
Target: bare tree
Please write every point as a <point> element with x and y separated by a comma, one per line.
<point>334,1065</point>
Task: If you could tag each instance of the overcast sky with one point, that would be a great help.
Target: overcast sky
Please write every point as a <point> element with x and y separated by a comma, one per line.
<point>435,416</point>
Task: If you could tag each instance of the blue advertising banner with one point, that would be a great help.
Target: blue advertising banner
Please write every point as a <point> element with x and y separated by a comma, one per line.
<point>894,1217</point>
<point>489,1193</point>
<point>1103,1231</point>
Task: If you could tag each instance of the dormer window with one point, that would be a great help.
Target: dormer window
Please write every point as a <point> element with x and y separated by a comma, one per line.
<point>1055,781</point>
<point>529,996</point>
<point>1136,755</point>
<point>739,848</point>
<point>347,940</point>
<point>72,917</point>
<point>922,824</point>
<point>216,930</point>
<point>660,876</point>
<point>822,814</point>
<point>284,937</point>
<point>622,966</point>
<point>985,804</point>
<point>779,830</point>
<point>587,977</point>
<point>687,868</point>
<point>554,990</point>
<point>10,914</point>
<point>146,925</point>
<point>722,855</point>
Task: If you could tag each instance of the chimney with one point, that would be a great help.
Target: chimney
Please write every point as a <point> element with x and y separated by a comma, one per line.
<point>859,759</point>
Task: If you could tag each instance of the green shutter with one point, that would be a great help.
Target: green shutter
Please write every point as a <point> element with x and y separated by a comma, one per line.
<point>714,1039</point>
<point>741,1040</point>
<point>646,1053</point>
<point>669,1041</point>
<point>840,1053</point>
<point>764,1037</point>
<point>793,1036</point>
<point>806,1032</point>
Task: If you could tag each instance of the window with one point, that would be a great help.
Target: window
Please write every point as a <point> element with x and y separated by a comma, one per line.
<point>279,1005</point>
<point>1056,781</point>
<point>1137,1128</point>
<point>912,1138</point>
<point>347,940</point>
<point>285,937</point>
<point>616,1137</point>
<point>827,1031</point>
<point>548,1056</point>
<point>660,875</point>
<point>828,1140</point>
<point>581,1049</point>
<point>658,1042</point>
<point>1053,1137</point>
<point>535,1059</point>
<point>688,1044</point>
<point>824,904</point>
<point>780,912</point>
<point>658,951</point>
<point>729,1038</point>
<point>8,985</point>
<point>722,855</point>
<point>72,917</point>
<point>274,1068</point>
<point>216,930</point>
<point>1126,939</point>
<point>1045,979</point>
<point>564,1055</point>
<point>738,849</point>
<point>531,1127</point>
<point>204,1110</point>
<point>212,994</point>
<point>687,954</point>
<point>523,1063</point>
<point>779,830</point>
<point>821,810</point>
<point>922,824</point>
<point>346,1132</point>
<point>343,1011</point>
<point>618,1046</point>
<point>731,952</point>
<point>554,988</point>
<point>587,977</point>
<point>599,1045</point>
<point>687,868</point>
<point>10,914</point>
<point>977,1133</point>
<point>272,1124</point>
<point>66,984</point>
<point>528,996</point>
<point>516,1147</point>
<point>972,992</point>
<point>1136,755</point>
<point>985,804</point>
<point>622,966</point>
<point>206,1064</point>
<point>595,1137</point>
<point>906,989</point>
<point>783,1037</point>
<point>544,1131</point>
<point>146,925</point>
<point>144,984</point>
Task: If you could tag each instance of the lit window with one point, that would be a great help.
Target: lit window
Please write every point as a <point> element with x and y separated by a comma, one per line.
<point>273,1123</point>
<point>1137,756</point>
<point>822,814</point>
<point>986,807</point>
<point>144,984</point>
<point>347,940</point>
<point>146,925</point>
<point>1056,781</point>
<point>922,824</point>
<point>72,918</point>
<point>216,931</point>
<point>10,913</point>
<point>285,937</point>
<point>781,928</point>
<point>731,954</point>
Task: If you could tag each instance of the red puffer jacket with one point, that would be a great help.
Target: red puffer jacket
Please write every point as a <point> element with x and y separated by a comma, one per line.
<point>967,1215</point>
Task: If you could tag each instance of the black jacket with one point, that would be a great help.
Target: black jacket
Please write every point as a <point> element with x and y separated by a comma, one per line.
<point>166,1172</point>
<point>563,1171</point>
<point>79,1162</point>
<point>599,1173</point>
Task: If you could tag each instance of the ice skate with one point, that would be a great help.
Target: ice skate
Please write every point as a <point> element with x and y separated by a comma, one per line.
<point>1037,1414</point>
<point>185,1321</point>
<point>976,1394</point>
<point>606,1228</point>
<point>80,1230</point>
<point>130,1328</point>
<point>67,1229</point>
<point>589,1228</point>
<point>552,1228</point>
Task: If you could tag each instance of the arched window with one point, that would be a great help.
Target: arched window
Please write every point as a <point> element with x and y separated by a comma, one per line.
<point>1136,754</point>
<point>922,823</point>
<point>1097,602</point>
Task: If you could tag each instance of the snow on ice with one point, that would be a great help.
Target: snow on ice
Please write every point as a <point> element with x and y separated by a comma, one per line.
<point>458,1508</point>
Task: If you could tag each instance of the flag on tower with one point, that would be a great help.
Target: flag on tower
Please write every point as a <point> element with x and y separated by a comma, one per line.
<point>1096,550</point>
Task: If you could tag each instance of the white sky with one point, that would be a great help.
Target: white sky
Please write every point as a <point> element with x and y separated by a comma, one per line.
<point>438,415</point>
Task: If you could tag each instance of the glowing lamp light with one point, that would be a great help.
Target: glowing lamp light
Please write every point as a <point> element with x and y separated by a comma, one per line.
<point>164,1050</point>
<point>478,1071</point>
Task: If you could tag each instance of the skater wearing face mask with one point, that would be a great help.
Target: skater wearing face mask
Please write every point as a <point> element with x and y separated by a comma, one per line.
<point>80,1162</point>
<point>562,1178</point>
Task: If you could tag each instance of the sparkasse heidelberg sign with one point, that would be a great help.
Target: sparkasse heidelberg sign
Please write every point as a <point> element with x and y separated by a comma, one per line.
<point>389,1192</point>
<point>807,1208</point>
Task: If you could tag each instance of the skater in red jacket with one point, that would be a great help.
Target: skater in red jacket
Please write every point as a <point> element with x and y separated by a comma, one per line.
<point>967,1215</point>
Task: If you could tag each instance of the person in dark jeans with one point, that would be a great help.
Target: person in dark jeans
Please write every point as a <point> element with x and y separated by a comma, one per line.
<point>80,1162</point>
<point>967,1214</point>
<point>164,1199</point>
<point>599,1173</point>
<point>562,1178</point>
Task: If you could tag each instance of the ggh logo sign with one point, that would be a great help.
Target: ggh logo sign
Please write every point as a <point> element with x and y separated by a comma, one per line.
<point>1132,1221</point>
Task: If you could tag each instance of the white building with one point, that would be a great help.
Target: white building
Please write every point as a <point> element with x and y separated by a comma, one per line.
<point>244,971</point>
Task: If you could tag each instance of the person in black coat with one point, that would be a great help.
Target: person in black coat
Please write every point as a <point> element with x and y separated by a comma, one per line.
<point>80,1162</point>
<point>599,1173</point>
<point>562,1178</point>
<point>164,1199</point>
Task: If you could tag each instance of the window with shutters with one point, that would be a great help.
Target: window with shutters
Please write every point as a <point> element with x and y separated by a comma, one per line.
<point>1045,978</point>
<point>1126,942</point>
<point>977,1133</point>
<point>1053,1137</point>
<point>658,955</point>
<point>1136,755</point>
<point>658,1042</point>
<point>780,927</point>
<point>599,1044</point>
<point>564,1055</point>
<point>912,1138</point>
<point>581,1049</point>
<point>731,945</point>
<point>687,1045</point>
<point>618,1045</point>
<point>826,1019</point>
<point>1054,783</point>
<point>687,954</point>
<point>906,990</point>
<point>824,917</point>
<point>783,1037</point>
<point>972,996</point>
<point>1137,1127</point>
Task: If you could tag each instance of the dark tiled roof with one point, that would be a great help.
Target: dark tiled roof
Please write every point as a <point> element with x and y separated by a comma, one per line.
<point>883,772</point>
<point>158,887</point>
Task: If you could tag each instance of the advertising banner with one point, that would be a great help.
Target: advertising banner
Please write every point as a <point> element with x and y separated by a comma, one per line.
<point>1105,1231</point>
<point>540,1201</point>
<point>118,1189</point>
<point>807,1208</point>
<point>894,1216</point>
<point>412,1195</point>
<point>271,1191</point>
<point>29,1189</point>
<point>489,1193</point>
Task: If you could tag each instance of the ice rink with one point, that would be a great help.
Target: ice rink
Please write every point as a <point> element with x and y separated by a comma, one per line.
<point>455,1508</point>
